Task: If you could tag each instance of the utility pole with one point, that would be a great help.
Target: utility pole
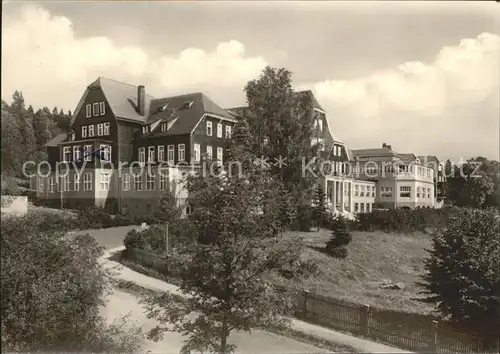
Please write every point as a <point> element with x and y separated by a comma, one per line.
<point>166,240</point>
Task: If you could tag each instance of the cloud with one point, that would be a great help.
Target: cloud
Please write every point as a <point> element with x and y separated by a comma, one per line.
<point>42,57</point>
<point>451,101</point>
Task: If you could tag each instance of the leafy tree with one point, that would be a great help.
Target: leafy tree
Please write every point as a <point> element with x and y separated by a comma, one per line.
<point>282,125</point>
<point>236,222</point>
<point>52,290</point>
<point>462,276</point>
<point>468,187</point>
<point>169,210</point>
<point>24,117</point>
<point>12,149</point>
<point>341,237</point>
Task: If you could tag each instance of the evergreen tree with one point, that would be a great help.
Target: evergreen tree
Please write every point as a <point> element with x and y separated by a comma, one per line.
<point>462,277</point>
<point>341,237</point>
<point>319,206</point>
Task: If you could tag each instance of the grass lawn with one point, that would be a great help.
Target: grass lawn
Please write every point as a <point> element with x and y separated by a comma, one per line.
<point>373,258</point>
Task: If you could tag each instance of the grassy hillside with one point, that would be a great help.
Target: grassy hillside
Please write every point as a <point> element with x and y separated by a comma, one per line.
<point>373,258</point>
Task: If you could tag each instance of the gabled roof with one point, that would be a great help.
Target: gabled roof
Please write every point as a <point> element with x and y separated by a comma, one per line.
<point>187,117</point>
<point>310,95</point>
<point>380,152</point>
<point>55,141</point>
<point>122,98</point>
<point>424,159</point>
<point>407,157</point>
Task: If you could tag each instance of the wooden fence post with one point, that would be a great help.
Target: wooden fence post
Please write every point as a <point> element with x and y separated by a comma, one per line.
<point>365,320</point>
<point>433,343</point>
<point>304,306</point>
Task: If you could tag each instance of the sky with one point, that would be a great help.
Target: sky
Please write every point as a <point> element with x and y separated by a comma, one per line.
<point>423,77</point>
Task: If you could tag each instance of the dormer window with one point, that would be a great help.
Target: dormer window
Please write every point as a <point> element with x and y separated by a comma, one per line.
<point>187,105</point>
<point>145,129</point>
<point>164,108</point>
<point>163,127</point>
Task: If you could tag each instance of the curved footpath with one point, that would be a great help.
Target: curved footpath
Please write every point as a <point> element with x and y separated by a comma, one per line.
<point>258,341</point>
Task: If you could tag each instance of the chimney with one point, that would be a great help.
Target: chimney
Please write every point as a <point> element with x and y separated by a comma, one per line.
<point>384,145</point>
<point>141,99</point>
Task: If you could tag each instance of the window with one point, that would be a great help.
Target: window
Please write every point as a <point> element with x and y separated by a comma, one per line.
<point>151,154</point>
<point>405,191</point>
<point>106,128</point>
<point>104,182</point>
<point>219,154</point>
<point>91,131</point>
<point>187,105</point>
<point>219,130</point>
<point>87,181</point>
<point>373,191</point>
<point>171,154</point>
<point>209,152</point>
<point>138,183</point>
<point>163,127</point>
<point>209,128</point>
<point>181,152</point>
<point>362,194</point>
<point>428,193</point>
<point>40,184</point>
<point>126,182</point>
<point>100,129</point>
<point>320,122</point>
<point>418,193</point>
<point>356,207</point>
<point>362,207</point>
<point>76,153</point>
<point>84,131</point>
<point>150,181</point>
<point>228,132</point>
<point>76,181</point>
<point>95,109</point>
<point>105,152</point>
<point>386,192</point>
<point>88,111</point>
<point>161,153</point>
<point>142,155</point>
<point>356,189</point>
<point>66,154</point>
<point>102,108</point>
<point>197,152</point>
<point>145,129</point>
<point>87,152</point>
<point>163,180</point>
<point>52,184</point>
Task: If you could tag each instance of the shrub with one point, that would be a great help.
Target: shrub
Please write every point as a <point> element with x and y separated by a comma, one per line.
<point>9,185</point>
<point>462,276</point>
<point>341,237</point>
<point>404,220</point>
<point>52,291</point>
<point>339,252</point>
<point>135,239</point>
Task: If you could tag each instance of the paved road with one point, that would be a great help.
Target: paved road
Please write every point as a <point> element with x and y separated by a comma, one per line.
<point>121,303</point>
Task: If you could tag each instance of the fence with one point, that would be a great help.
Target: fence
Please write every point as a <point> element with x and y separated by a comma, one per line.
<point>410,331</point>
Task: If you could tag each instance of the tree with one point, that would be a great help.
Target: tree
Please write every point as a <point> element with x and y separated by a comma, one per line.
<point>319,206</point>
<point>52,290</point>
<point>282,125</point>
<point>12,148</point>
<point>236,222</point>
<point>468,187</point>
<point>462,276</point>
<point>24,118</point>
<point>341,237</point>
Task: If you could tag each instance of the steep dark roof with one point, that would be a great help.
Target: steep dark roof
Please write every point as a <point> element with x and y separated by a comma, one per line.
<point>310,95</point>
<point>187,117</point>
<point>55,141</point>
<point>122,98</point>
